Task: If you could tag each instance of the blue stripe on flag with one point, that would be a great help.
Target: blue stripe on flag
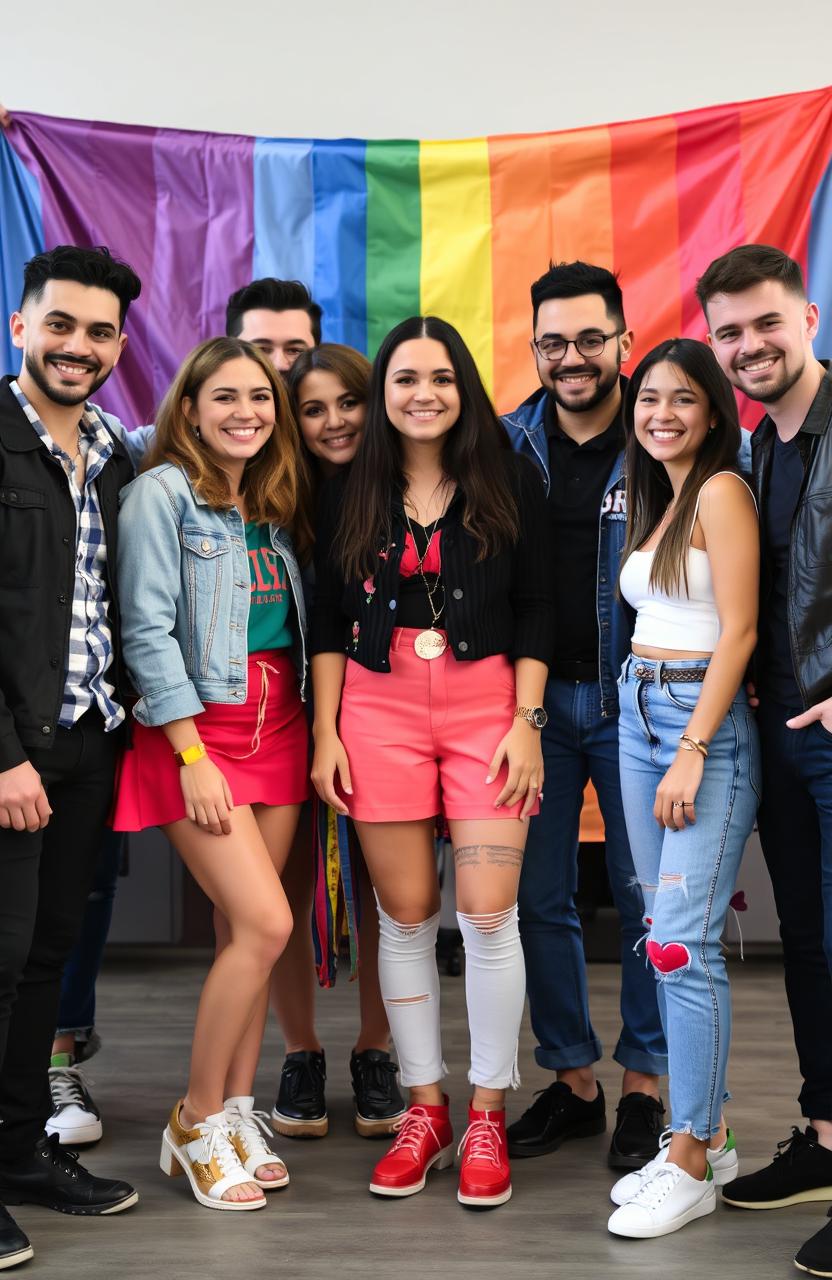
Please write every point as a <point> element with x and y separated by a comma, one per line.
<point>284,211</point>
<point>820,262</point>
<point>340,283</point>
<point>21,236</point>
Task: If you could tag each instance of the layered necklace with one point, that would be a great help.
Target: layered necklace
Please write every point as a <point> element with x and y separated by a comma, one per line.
<point>430,643</point>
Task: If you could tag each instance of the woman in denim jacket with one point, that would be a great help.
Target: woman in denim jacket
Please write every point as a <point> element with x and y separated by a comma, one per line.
<point>213,634</point>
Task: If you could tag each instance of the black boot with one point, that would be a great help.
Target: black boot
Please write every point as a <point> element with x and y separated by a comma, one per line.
<point>377,1099</point>
<point>300,1108</point>
<point>51,1176</point>
<point>14,1245</point>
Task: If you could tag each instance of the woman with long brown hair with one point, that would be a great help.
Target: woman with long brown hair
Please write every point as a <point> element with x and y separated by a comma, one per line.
<point>688,748</point>
<point>327,388</point>
<point>213,627</point>
<point>432,622</point>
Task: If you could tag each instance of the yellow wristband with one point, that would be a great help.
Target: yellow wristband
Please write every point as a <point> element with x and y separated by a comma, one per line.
<point>190,755</point>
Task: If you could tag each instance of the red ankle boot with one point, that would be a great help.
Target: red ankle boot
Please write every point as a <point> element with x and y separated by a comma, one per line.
<point>484,1175</point>
<point>425,1139</point>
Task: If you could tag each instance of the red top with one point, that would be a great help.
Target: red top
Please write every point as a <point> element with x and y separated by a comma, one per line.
<point>410,557</point>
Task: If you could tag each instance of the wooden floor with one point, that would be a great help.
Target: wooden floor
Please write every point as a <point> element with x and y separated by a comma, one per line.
<point>325,1224</point>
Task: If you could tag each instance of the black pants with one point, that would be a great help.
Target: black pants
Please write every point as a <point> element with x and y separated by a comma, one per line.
<point>45,877</point>
<point>795,822</point>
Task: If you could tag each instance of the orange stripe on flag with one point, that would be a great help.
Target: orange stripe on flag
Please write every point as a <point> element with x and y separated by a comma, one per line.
<point>521,247</point>
<point>550,199</point>
<point>645,213</point>
<point>581,202</point>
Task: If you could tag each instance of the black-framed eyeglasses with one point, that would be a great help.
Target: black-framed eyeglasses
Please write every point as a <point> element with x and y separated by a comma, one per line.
<point>586,344</point>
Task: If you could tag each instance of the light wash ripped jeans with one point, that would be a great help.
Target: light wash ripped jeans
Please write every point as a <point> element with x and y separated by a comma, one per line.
<point>687,877</point>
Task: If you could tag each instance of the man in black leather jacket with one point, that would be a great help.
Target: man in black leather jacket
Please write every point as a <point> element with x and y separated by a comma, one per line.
<point>62,702</point>
<point>762,328</point>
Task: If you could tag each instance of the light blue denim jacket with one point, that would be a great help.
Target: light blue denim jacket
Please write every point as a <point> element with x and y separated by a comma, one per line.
<point>184,590</point>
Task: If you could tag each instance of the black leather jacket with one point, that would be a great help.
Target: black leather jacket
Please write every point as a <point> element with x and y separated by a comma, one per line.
<point>810,552</point>
<point>37,575</point>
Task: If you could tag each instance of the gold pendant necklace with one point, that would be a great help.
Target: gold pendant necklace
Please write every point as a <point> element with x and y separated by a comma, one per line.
<point>429,644</point>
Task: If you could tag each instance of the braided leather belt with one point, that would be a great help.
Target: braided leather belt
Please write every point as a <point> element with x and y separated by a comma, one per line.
<point>672,675</point>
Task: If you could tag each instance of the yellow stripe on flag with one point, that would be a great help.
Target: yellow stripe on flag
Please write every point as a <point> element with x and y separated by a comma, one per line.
<point>456,242</point>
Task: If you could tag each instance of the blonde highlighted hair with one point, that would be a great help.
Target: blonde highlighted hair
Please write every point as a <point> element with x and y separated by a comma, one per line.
<point>275,483</point>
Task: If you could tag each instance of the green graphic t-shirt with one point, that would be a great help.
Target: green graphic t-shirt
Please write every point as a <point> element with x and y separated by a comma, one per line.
<point>270,602</point>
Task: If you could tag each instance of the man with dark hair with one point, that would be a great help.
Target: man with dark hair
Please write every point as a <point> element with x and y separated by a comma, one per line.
<point>61,691</point>
<point>278,316</point>
<point>761,328</point>
<point>572,429</point>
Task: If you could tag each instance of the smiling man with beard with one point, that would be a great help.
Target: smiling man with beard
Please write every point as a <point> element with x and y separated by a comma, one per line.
<point>61,692</point>
<point>572,429</point>
<point>761,328</point>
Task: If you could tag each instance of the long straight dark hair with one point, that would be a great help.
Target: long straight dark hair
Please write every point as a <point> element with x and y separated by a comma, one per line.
<point>648,487</point>
<point>470,457</point>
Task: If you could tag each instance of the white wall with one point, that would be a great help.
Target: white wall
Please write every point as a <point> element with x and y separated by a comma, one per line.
<point>389,68</point>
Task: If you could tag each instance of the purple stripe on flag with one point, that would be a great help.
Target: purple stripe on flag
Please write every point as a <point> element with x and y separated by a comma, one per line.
<point>204,239</point>
<point>98,187</point>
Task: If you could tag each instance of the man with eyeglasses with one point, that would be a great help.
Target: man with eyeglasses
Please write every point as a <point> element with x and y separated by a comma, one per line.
<point>572,429</point>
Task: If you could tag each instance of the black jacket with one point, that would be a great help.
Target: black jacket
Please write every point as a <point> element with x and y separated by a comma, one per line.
<point>809,597</point>
<point>502,604</point>
<point>37,575</point>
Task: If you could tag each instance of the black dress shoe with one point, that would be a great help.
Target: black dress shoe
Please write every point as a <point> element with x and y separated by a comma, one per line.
<point>638,1127</point>
<point>555,1117</point>
<point>800,1171</point>
<point>51,1176</point>
<point>14,1245</point>
<point>816,1254</point>
<point>377,1099</point>
<point>300,1108</point>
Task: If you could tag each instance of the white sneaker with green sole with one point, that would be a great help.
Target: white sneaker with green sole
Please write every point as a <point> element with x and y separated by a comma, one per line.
<point>724,1166</point>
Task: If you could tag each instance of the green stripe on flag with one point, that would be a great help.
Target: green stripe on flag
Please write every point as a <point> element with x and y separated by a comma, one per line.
<point>394,237</point>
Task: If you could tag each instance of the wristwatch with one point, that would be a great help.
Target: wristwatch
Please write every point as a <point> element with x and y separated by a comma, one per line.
<point>536,716</point>
<point>190,755</point>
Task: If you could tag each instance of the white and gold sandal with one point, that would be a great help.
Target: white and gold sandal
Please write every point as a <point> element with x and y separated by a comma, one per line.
<point>247,1129</point>
<point>208,1155</point>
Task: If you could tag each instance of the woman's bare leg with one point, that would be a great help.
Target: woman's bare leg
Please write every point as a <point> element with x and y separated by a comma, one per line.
<point>238,875</point>
<point>292,984</point>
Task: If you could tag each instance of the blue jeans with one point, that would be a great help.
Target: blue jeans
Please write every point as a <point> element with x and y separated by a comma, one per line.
<point>76,1011</point>
<point>688,876</point>
<point>796,835</point>
<point>579,743</point>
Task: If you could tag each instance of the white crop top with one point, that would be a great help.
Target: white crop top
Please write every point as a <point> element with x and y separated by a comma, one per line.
<point>687,622</point>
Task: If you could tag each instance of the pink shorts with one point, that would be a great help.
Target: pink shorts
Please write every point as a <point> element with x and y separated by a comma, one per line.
<point>420,739</point>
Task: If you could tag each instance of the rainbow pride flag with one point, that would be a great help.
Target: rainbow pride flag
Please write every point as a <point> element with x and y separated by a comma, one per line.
<point>381,230</point>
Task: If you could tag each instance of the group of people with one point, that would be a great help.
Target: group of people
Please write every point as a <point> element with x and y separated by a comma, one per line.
<point>480,615</point>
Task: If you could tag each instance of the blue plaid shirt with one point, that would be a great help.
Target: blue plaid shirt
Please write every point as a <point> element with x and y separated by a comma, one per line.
<point>90,637</point>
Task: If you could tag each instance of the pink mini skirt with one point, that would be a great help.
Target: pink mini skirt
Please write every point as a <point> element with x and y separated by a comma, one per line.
<point>420,739</point>
<point>260,745</point>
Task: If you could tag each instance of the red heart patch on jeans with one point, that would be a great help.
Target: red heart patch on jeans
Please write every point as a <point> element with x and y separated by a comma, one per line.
<point>669,957</point>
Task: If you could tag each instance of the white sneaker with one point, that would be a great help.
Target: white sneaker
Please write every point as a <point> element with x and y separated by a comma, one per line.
<point>724,1166</point>
<point>247,1127</point>
<point>75,1117</point>
<point>666,1201</point>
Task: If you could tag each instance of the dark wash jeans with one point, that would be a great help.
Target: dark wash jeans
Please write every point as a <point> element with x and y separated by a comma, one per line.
<point>76,1010</point>
<point>795,823</point>
<point>579,743</point>
<point>45,878</point>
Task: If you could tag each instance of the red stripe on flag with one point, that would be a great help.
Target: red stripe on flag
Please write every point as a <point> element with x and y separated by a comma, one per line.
<point>711,212</point>
<point>646,228</point>
<point>786,147</point>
